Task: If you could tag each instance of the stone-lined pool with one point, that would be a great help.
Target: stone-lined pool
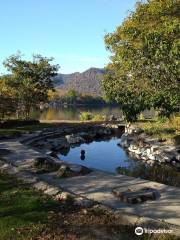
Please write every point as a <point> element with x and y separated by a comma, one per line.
<point>104,155</point>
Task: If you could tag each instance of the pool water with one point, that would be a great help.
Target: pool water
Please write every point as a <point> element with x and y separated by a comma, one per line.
<point>104,155</point>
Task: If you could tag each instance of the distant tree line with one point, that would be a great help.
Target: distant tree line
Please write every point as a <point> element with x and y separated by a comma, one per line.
<point>73,97</point>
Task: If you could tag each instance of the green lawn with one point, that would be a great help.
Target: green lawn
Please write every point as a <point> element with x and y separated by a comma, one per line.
<point>23,212</point>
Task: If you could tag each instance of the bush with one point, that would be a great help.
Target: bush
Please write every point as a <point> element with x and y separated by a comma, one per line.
<point>98,117</point>
<point>85,116</point>
<point>141,117</point>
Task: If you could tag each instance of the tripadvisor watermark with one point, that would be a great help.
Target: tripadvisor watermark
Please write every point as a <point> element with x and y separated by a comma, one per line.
<point>139,231</point>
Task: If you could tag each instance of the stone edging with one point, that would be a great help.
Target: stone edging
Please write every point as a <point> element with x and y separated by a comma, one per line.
<point>149,149</point>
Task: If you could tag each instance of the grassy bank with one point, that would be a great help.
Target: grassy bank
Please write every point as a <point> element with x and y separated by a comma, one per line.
<point>164,129</point>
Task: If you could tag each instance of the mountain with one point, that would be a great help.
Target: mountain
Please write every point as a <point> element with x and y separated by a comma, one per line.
<point>88,82</point>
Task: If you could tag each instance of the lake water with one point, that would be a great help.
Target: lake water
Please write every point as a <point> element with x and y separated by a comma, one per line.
<point>105,155</point>
<point>72,113</point>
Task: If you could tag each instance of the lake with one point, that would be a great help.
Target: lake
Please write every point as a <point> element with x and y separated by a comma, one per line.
<point>72,113</point>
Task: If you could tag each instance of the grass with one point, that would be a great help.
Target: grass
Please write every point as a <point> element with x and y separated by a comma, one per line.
<point>23,212</point>
<point>28,214</point>
<point>164,129</point>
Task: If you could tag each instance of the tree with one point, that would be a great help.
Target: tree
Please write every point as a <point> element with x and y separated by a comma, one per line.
<point>7,97</point>
<point>144,69</point>
<point>32,80</point>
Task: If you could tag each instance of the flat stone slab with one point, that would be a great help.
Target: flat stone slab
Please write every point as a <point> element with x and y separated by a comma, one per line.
<point>98,186</point>
<point>135,196</point>
<point>19,154</point>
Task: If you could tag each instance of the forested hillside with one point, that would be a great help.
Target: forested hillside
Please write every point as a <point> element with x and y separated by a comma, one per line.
<point>85,82</point>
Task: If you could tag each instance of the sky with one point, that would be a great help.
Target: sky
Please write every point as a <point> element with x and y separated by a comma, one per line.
<point>71,31</point>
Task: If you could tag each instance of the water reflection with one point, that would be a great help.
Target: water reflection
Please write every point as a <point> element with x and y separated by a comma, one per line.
<point>72,113</point>
<point>105,155</point>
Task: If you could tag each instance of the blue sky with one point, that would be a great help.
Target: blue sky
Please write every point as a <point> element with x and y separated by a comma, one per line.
<point>71,31</point>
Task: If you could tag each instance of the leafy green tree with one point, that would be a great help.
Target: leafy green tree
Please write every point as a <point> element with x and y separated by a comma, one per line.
<point>72,96</point>
<point>145,68</point>
<point>31,79</point>
<point>7,97</point>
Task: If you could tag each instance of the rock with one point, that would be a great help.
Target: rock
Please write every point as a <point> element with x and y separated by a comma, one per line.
<point>132,147</point>
<point>51,191</point>
<point>148,151</point>
<point>41,186</point>
<point>72,139</point>
<point>136,195</point>
<point>62,171</point>
<point>150,162</point>
<point>58,144</point>
<point>84,135</point>
<point>178,157</point>
<point>154,148</point>
<point>63,196</point>
<point>83,202</point>
<point>76,168</point>
<point>138,130</point>
<point>45,164</point>
<point>138,151</point>
<point>152,157</point>
<point>112,118</point>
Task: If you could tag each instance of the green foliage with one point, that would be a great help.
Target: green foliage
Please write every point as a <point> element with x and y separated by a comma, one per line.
<point>73,94</point>
<point>98,117</point>
<point>144,69</point>
<point>141,117</point>
<point>7,97</point>
<point>85,116</point>
<point>73,97</point>
<point>29,81</point>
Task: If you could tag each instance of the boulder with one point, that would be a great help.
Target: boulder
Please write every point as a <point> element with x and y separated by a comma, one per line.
<point>45,164</point>
<point>112,118</point>
<point>74,139</point>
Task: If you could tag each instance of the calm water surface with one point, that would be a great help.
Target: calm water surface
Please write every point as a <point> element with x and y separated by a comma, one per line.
<point>73,113</point>
<point>103,155</point>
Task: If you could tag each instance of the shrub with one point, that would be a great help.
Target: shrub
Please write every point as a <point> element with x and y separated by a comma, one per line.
<point>85,116</point>
<point>98,117</point>
<point>141,117</point>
